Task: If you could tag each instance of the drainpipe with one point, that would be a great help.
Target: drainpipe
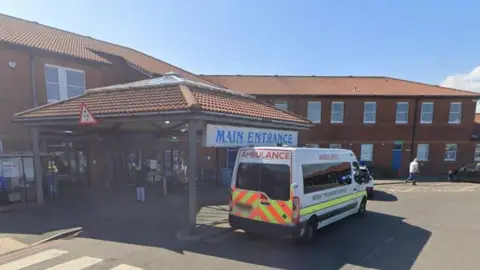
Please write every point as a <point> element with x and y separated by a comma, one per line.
<point>32,80</point>
<point>414,129</point>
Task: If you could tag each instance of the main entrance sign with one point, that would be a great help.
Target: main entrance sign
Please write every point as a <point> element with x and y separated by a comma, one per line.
<point>233,136</point>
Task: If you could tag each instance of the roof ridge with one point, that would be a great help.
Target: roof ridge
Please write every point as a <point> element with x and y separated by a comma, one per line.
<point>89,48</point>
<point>291,76</point>
<point>192,102</point>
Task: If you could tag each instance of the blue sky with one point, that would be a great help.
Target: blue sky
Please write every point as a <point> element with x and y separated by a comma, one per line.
<point>424,40</point>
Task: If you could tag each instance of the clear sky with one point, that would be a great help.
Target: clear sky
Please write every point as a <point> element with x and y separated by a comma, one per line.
<point>423,40</point>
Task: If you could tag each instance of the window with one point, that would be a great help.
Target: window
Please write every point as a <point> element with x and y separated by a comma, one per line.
<point>369,112</point>
<point>1,146</point>
<point>337,112</point>
<point>477,152</point>
<point>335,146</point>
<point>282,105</point>
<point>422,152</point>
<point>427,113</point>
<point>450,152</point>
<point>314,111</point>
<point>271,179</point>
<point>455,114</point>
<point>366,152</point>
<point>323,176</point>
<point>402,113</point>
<point>63,83</point>
<point>312,145</point>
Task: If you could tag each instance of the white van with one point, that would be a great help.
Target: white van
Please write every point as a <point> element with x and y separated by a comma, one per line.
<point>294,191</point>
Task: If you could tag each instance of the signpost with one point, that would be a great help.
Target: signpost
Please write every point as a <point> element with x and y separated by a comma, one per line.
<point>86,117</point>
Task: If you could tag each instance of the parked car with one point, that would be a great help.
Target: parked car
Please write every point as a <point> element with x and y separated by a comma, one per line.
<point>469,173</point>
<point>370,182</point>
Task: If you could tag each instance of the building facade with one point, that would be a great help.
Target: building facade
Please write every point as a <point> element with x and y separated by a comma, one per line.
<point>385,121</point>
<point>385,128</point>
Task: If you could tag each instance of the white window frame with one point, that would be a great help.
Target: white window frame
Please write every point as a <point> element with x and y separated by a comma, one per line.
<point>369,154</point>
<point>374,113</point>
<point>283,105</point>
<point>425,151</point>
<point>477,152</point>
<point>309,117</point>
<point>63,82</point>
<point>312,145</point>
<point>422,112</point>
<point>335,146</point>
<point>332,112</point>
<point>446,151</point>
<point>459,113</point>
<point>397,112</point>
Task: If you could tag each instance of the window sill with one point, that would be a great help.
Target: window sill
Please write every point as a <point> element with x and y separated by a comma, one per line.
<point>369,123</point>
<point>450,160</point>
<point>454,123</point>
<point>401,123</point>
<point>426,123</point>
<point>335,122</point>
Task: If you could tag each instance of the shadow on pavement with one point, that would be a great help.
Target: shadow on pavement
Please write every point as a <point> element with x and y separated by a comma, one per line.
<point>377,241</point>
<point>380,195</point>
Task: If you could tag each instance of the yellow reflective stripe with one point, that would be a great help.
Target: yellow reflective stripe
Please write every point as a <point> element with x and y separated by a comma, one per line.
<point>267,213</point>
<point>280,211</point>
<point>246,197</point>
<point>327,204</point>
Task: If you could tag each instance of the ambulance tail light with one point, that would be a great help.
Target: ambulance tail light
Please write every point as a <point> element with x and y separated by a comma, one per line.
<point>296,210</point>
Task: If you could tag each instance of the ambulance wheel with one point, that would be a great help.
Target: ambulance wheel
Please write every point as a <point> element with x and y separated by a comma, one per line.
<point>309,231</point>
<point>363,208</point>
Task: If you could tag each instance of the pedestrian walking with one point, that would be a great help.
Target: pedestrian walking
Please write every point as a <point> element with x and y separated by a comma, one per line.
<point>413,171</point>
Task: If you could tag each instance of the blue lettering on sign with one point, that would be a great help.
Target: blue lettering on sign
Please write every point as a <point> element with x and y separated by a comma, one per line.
<point>241,137</point>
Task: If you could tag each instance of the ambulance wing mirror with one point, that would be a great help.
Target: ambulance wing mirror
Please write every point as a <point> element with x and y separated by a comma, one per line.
<point>294,185</point>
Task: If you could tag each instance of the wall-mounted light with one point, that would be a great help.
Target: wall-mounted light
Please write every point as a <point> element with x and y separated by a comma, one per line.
<point>167,122</point>
<point>12,64</point>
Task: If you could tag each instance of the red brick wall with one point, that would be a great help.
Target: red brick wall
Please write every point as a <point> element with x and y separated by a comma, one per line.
<point>353,132</point>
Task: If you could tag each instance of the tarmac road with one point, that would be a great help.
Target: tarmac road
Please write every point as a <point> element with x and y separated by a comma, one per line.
<point>423,228</point>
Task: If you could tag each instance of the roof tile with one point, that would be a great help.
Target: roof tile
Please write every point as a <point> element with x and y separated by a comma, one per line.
<point>21,32</point>
<point>343,86</point>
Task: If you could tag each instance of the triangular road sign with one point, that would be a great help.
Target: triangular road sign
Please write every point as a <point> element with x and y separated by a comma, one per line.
<point>86,118</point>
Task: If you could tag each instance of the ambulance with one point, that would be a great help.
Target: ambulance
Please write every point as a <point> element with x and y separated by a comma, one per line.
<point>294,191</point>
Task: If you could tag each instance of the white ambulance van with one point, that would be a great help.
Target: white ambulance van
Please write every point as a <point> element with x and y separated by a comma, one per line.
<point>294,191</point>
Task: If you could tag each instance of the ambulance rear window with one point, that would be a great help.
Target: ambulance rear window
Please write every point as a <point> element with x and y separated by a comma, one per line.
<point>271,179</point>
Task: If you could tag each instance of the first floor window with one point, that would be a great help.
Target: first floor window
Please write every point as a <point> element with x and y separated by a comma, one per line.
<point>63,83</point>
<point>369,112</point>
<point>450,152</point>
<point>477,152</point>
<point>426,116</point>
<point>455,115</point>
<point>312,145</point>
<point>402,113</point>
<point>422,152</point>
<point>282,105</point>
<point>366,152</point>
<point>337,112</point>
<point>335,145</point>
<point>314,111</point>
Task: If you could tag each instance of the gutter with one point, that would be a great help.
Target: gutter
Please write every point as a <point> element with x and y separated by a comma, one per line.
<point>32,80</point>
<point>414,129</point>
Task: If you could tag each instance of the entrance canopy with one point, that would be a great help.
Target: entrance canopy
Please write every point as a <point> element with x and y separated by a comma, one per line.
<point>165,106</point>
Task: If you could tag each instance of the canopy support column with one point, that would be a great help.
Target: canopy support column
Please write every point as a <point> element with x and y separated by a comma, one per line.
<point>37,164</point>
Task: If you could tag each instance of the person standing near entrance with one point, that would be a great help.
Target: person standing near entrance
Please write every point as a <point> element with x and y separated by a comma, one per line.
<point>413,171</point>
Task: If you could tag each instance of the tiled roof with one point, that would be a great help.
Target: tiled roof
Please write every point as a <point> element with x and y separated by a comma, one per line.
<point>170,95</point>
<point>344,86</point>
<point>30,34</point>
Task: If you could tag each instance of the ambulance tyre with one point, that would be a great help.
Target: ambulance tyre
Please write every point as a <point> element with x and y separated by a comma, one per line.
<point>310,231</point>
<point>363,208</point>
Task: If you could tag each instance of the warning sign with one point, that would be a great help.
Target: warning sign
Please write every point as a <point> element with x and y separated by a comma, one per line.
<point>86,118</point>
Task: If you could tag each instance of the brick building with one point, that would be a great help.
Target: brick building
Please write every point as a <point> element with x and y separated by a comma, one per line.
<point>384,120</point>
